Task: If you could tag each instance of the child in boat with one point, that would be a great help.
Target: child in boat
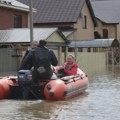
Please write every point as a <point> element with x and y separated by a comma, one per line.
<point>70,66</point>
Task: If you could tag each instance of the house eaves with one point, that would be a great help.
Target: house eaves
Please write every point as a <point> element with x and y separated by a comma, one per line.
<point>95,43</point>
<point>22,35</point>
<point>14,5</point>
<point>106,22</point>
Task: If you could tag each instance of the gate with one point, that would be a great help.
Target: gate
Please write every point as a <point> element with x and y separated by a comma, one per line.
<point>8,61</point>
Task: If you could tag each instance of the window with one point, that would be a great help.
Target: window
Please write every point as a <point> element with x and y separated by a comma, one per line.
<point>84,22</point>
<point>17,21</point>
<point>105,33</point>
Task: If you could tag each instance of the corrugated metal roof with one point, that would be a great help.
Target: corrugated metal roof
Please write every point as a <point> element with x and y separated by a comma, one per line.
<point>23,35</point>
<point>93,43</point>
<point>107,11</point>
<point>67,33</point>
<point>53,11</point>
<point>58,11</point>
<point>13,3</point>
<point>103,0</point>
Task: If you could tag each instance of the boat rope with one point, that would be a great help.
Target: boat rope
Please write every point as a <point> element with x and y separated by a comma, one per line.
<point>70,77</point>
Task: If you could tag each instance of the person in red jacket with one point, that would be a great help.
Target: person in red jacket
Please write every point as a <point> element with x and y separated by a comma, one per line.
<point>70,67</point>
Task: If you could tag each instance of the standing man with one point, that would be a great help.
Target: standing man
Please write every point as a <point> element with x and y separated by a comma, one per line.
<point>41,59</point>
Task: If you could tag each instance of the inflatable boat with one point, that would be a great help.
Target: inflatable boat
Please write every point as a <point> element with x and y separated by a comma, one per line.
<point>21,86</point>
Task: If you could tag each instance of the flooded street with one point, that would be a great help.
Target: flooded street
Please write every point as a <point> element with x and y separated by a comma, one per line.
<point>101,101</point>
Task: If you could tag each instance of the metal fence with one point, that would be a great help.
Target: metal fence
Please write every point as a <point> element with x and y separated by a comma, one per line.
<point>8,61</point>
<point>88,62</point>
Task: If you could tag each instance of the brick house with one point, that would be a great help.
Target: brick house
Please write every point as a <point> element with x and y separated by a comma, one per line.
<point>74,17</point>
<point>108,18</point>
<point>13,14</point>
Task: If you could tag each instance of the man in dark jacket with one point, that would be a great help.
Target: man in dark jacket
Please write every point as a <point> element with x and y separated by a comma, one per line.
<point>34,45</point>
<point>41,59</point>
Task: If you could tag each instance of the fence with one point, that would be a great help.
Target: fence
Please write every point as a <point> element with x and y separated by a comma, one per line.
<point>88,62</point>
<point>91,62</point>
<point>8,61</point>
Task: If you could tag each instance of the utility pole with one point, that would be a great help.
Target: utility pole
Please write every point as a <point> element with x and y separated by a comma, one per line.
<point>31,22</point>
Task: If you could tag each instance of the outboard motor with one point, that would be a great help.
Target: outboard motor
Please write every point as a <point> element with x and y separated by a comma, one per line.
<point>25,82</point>
<point>24,77</point>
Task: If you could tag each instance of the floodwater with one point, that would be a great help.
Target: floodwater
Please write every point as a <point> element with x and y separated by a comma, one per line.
<point>101,101</point>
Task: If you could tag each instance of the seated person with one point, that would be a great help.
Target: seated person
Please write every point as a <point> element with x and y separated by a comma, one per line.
<point>70,67</point>
<point>41,59</point>
<point>34,45</point>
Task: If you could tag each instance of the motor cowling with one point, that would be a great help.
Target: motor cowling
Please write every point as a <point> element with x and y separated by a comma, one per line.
<point>24,77</point>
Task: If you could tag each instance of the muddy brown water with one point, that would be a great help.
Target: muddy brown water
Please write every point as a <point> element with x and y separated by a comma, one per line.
<point>101,101</point>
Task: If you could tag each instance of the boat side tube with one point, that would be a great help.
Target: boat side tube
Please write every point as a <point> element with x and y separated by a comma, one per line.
<point>66,87</point>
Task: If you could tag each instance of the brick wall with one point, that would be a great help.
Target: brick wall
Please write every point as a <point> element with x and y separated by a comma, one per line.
<point>7,18</point>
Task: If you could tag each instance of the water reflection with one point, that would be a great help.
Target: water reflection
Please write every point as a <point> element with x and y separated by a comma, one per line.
<point>48,110</point>
<point>101,101</point>
<point>40,110</point>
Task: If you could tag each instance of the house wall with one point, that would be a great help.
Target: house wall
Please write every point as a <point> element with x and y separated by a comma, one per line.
<point>118,32</point>
<point>112,29</point>
<point>83,34</point>
<point>55,37</point>
<point>7,18</point>
<point>99,27</point>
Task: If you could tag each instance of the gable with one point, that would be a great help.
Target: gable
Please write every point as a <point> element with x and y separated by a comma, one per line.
<point>56,37</point>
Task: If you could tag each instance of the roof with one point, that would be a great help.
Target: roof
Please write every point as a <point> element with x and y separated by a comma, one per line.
<point>14,5</point>
<point>108,11</point>
<point>104,0</point>
<point>94,43</point>
<point>67,33</point>
<point>50,11</point>
<point>56,11</point>
<point>23,35</point>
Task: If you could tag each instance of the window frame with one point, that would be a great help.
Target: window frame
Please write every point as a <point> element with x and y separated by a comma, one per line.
<point>84,21</point>
<point>17,21</point>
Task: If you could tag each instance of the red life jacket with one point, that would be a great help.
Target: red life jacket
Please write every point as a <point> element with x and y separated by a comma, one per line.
<point>70,69</point>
